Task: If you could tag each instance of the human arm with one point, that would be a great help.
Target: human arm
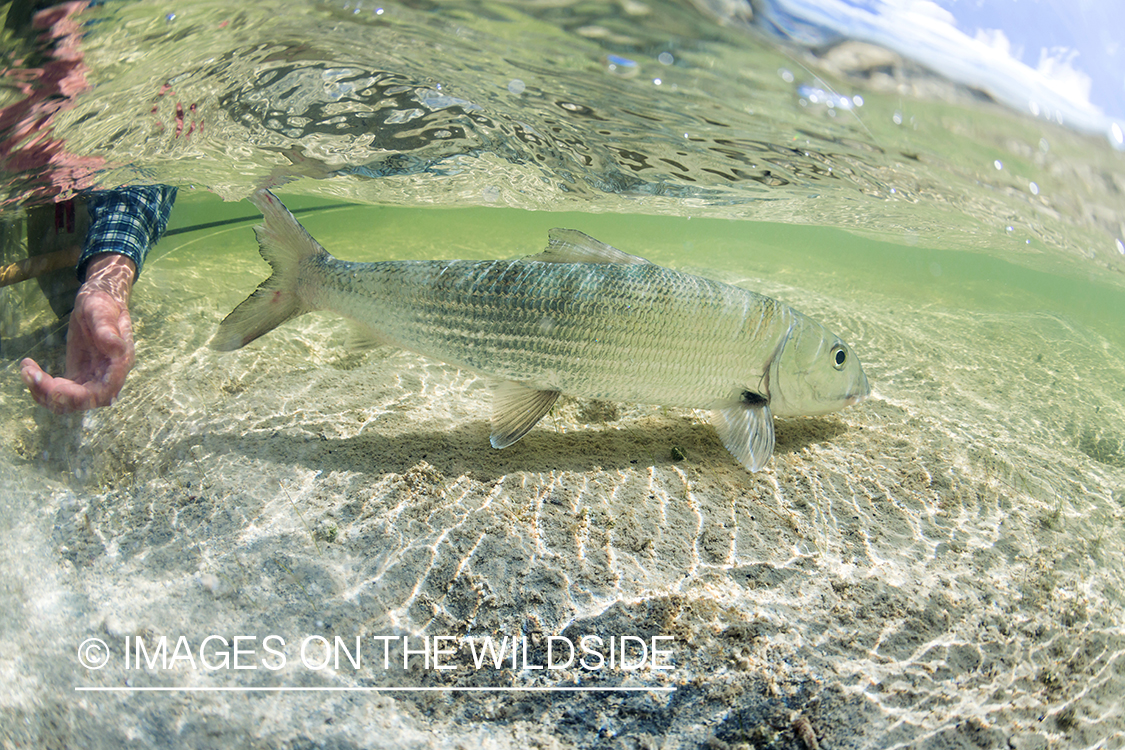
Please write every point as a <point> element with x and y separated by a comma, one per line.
<point>124,224</point>
<point>99,342</point>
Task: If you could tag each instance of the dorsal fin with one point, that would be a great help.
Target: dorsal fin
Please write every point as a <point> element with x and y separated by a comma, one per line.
<point>572,246</point>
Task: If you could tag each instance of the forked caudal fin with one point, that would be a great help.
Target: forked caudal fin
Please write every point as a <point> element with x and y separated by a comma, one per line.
<point>284,244</point>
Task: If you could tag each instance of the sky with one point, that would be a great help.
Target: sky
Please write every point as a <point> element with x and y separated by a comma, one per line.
<point>1062,60</point>
<point>1084,35</point>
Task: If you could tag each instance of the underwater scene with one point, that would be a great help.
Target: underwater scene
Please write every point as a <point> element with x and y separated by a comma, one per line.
<point>310,542</point>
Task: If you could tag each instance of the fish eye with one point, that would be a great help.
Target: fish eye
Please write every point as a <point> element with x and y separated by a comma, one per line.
<point>839,356</point>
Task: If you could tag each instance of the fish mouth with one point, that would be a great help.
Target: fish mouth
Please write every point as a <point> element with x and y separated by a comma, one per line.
<point>860,393</point>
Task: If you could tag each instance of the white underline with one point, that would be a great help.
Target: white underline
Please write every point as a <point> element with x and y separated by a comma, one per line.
<point>500,689</point>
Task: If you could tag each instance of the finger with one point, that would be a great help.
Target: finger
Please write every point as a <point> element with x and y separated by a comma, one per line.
<point>35,379</point>
<point>57,394</point>
<point>128,358</point>
<point>105,390</point>
<point>105,327</point>
<point>67,396</point>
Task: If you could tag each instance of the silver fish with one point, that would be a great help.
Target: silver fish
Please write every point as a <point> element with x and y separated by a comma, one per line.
<point>581,318</point>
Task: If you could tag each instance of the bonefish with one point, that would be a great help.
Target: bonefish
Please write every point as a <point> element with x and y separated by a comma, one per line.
<point>580,318</point>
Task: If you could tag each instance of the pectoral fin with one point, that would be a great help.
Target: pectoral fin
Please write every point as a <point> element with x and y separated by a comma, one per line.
<point>746,429</point>
<point>515,410</point>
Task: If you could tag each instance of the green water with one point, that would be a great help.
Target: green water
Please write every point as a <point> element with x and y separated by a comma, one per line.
<point>835,261</point>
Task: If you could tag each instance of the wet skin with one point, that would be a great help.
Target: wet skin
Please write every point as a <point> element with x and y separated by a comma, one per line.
<point>99,342</point>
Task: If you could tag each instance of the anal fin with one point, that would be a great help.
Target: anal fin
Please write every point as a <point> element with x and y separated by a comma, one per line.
<point>515,410</point>
<point>746,429</point>
<point>361,337</point>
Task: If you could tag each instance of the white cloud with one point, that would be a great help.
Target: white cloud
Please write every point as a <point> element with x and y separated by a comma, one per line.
<point>997,40</point>
<point>1056,67</point>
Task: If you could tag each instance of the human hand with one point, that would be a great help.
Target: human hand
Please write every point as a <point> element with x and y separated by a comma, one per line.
<point>99,342</point>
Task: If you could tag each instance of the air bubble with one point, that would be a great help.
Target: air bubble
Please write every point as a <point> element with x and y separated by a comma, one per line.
<point>621,66</point>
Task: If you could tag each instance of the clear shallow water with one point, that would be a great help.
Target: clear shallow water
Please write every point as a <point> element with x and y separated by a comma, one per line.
<point>939,565</point>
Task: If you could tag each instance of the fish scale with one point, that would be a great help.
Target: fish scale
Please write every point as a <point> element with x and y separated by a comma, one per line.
<point>568,327</point>
<point>581,318</point>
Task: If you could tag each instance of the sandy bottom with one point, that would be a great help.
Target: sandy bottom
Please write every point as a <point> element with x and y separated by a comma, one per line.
<point>940,566</point>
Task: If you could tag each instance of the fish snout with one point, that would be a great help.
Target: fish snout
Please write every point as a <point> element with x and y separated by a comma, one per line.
<point>861,391</point>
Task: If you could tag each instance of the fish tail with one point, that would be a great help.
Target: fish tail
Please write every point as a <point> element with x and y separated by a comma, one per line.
<point>285,245</point>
